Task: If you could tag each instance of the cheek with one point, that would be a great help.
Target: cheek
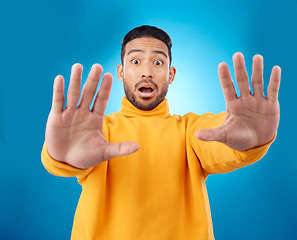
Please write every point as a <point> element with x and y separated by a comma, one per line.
<point>129,79</point>
<point>129,73</point>
<point>164,76</point>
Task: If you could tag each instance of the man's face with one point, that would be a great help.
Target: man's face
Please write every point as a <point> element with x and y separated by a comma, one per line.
<point>146,72</point>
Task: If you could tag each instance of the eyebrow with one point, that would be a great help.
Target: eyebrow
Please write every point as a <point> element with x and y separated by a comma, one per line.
<point>154,51</point>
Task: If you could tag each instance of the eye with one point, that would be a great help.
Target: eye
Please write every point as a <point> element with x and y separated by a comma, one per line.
<point>135,61</point>
<point>158,62</point>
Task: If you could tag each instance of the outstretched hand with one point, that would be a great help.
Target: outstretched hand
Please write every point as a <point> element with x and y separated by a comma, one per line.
<point>74,134</point>
<point>251,119</point>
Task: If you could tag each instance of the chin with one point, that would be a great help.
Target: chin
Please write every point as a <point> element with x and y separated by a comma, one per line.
<point>146,104</point>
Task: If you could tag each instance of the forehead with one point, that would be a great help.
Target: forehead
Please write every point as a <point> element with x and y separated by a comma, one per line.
<point>146,44</point>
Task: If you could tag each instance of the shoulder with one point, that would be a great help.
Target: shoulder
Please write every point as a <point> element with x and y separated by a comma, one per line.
<point>111,117</point>
<point>206,120</point>
<point>193,117</point>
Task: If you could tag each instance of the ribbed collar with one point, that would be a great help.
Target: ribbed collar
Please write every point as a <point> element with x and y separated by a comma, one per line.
<point>129,110</point>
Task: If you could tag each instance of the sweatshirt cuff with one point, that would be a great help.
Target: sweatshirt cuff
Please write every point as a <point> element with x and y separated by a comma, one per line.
<point>256,153</point>
<point>242,159</point>
<point>61,169</point>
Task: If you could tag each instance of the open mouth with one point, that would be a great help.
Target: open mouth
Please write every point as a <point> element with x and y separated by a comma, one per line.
<point>146,90</point>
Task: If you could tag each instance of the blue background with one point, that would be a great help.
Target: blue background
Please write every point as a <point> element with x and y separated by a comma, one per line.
<point>41,39</point>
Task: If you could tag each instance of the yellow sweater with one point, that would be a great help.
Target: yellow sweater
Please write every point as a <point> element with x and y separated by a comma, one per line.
<point>158,192</point>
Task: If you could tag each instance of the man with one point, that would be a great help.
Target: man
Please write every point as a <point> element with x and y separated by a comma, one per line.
<point>142,170</point>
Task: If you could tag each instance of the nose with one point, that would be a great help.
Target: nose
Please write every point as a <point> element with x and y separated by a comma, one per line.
<point>147,72</point>
<point>147,76</point>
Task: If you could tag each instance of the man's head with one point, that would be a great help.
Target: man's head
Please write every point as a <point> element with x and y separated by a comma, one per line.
<point>145,69</point>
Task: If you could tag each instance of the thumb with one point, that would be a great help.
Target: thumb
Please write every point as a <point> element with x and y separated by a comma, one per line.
<point>211,134</point>
<point>120,149</point>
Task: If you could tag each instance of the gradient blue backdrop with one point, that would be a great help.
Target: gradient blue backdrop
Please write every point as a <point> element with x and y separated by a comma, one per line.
<point>41,39</point>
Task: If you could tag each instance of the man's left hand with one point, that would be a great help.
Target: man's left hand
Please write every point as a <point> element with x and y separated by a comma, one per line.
<point>251,119</point>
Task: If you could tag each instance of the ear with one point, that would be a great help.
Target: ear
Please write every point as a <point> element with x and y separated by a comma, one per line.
<point>172,72</point>
<point>120,72</point>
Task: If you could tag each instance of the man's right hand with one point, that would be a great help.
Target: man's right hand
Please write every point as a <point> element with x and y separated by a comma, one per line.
<point>74,134</point>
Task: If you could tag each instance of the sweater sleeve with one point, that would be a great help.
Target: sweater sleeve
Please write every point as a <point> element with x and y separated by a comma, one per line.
<point>62,169</point>
<point>216,157</point>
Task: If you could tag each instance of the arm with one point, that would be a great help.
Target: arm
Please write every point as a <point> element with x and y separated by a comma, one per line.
<point>216,157</point>
<point>74,135</point>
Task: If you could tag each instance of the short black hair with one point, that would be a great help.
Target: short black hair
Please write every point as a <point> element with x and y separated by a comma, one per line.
<point>147,31</point>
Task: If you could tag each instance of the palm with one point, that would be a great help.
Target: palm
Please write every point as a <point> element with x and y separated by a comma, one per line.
<point>251,120</point>
<point>74,135</point>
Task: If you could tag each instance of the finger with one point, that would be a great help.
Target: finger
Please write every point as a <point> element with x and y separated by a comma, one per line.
<point>103,94</point>
<point>58,95</point>
<point>212,134</point>
<point>90,86</point>
<point>226,82</point>
<point>241,74</point>
<point>120,149</point>
<point>274,83</point>
<point>74,86</point>
<point>257,75</point>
